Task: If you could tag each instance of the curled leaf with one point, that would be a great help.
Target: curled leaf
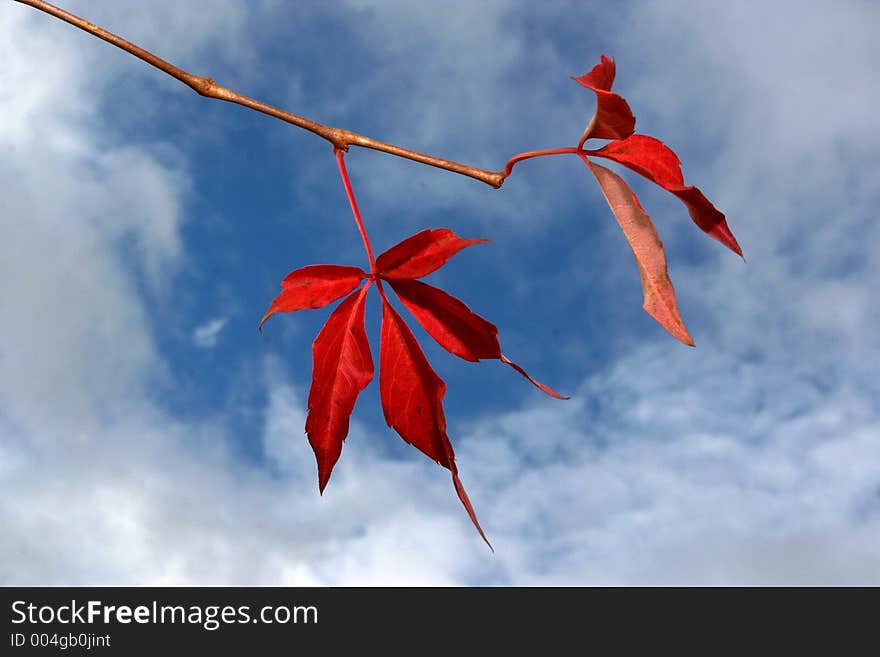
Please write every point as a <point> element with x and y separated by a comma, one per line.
<point>342,368</point>
<point>422,253</point>
<point>651,158</point>
<point>613,118</point>
<point>314,286</point>
<point>659,294</point>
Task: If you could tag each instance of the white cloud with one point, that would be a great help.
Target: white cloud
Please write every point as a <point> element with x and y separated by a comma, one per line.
<point>622,486</point>
<point>206,335</point>
<point>74,212</point>
<point>674,472</point>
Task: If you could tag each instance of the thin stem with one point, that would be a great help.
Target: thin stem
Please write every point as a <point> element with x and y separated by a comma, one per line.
<point>381,290</point>
<point>589,130</point>
<point>340,160</point>
<point>204,86</point>
<point>530,154</point>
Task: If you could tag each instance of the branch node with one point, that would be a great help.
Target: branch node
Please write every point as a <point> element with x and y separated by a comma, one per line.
<point>339,139</point>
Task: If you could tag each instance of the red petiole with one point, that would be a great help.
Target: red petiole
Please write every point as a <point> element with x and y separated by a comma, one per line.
<point>340,160</point>
<point>570,150</point>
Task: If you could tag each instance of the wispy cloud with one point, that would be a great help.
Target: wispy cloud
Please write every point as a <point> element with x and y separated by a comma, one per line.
<point>206,335</point>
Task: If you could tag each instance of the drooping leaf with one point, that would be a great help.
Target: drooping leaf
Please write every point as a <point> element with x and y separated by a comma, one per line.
<point>412,398</point>
<point>342,368</point>
<point>613,118</point>
<point>456,327</point>
<point>422,253</point>
<point>651,158</point>
<point>660,302</point>
<point>314,286</point>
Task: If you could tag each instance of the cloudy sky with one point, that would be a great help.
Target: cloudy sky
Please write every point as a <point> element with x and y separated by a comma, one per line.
<point>150,435</point>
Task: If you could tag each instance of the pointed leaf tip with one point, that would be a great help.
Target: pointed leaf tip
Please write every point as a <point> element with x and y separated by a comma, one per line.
<point>541,386</point>
<point>466,502</point>
<point>601,76</point>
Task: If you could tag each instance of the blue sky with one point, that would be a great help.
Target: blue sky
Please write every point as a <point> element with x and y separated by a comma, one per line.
<point>150,435</point>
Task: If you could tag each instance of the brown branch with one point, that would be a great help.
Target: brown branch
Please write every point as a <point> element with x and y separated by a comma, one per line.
<point>340,139</point>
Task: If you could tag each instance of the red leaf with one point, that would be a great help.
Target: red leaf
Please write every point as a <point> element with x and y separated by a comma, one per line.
<point>657,162</point>
<point>455,326</point>
<point>646,156</point>
<point>314,287</point>
<point>412,398</point>
<point>659,294</point>
<point>710,220</point>
<point>342,368</point>
<point>421,254</point>
<point>449,321</point>
<point>613,118</point>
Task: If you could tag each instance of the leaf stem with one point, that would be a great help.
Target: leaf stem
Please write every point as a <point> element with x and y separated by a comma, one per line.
<point>381,290</point>
<point>530,154</point>
<point>340,160</point>
<point>589,130</point>
<point>205,86</point>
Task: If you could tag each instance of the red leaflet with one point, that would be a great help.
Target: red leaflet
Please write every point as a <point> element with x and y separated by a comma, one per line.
<point>710,220</point>
<point>613,118</point>
<point>421,254</point>
<point>455,326</point>
<point>412,398</point>
<point>659,294</point>
<point>655,161</point>
<point>342,368</point>
<point>449,321</point>
<point>646,156</point>
<point>314,287</point>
